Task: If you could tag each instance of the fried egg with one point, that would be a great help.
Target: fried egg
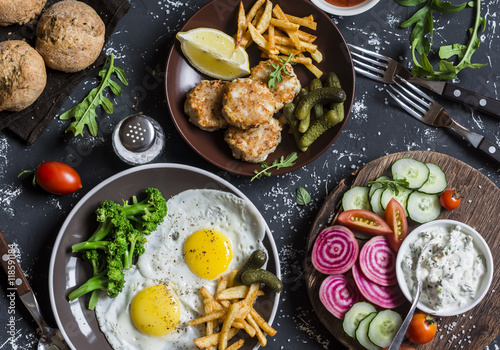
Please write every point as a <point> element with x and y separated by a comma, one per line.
<point>206,234</point>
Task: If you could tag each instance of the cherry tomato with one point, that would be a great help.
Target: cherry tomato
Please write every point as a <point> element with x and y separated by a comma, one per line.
<point>56,177</point>
<point>450,199</point>
<point>364,221</point>
<point>421,329</point>
<point>402,347</point>
<point>396,218</point>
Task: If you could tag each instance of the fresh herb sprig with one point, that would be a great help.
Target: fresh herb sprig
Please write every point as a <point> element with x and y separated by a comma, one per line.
<point>276,76</point>
<point>282,163</point>
<point>422,33</point>
<point>393,185</point>
<point>84,113</point>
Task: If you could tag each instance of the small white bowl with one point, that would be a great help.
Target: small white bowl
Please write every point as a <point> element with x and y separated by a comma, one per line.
<point>345,11</point>
<point>479,244</point>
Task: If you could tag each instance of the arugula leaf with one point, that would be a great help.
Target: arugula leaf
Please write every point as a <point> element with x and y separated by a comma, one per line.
<point>421,39</point>
<point>393,185</point>
<point>303,197</point>
<point>85,113</point>
<point>282,163</point>
<point>276,74</point>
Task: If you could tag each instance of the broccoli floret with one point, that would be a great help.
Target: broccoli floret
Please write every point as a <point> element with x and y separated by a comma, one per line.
<point>118,239</point>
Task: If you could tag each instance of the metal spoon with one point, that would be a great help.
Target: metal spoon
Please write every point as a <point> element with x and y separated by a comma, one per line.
<point>400,335</point>
<point>51,338</point>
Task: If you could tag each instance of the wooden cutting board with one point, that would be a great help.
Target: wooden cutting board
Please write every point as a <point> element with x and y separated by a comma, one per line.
<point>480,208</point>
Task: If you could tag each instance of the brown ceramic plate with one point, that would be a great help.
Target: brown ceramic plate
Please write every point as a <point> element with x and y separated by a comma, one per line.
<point>480,209</point>
<point>78,324</point>
<point>181,78</point>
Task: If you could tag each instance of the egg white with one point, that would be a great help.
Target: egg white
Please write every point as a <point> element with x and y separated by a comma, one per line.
<point>163,262</point>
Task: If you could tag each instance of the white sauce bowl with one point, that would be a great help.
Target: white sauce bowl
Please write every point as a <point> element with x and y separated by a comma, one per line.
<point>479,244</point>
<point>345,11</point>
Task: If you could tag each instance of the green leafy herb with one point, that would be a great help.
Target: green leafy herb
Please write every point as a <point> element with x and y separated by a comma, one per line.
<point>303,197</point>
<point>282,163</point>
<point>276,76</point>
<point>84,113</point>
<point>422,33</point>
<point>393,185</point>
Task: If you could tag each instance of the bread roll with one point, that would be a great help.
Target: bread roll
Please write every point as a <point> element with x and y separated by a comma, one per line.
<point>22,75</point>
<point>69,36</point>
<point>19,11</point>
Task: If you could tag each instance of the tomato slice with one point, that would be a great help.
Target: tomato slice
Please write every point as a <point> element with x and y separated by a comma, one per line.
<point>364,221</point>
<point>396,218</point>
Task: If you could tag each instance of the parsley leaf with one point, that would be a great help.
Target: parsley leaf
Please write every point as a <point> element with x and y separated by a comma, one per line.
<point>422,33</point>
<point>276,74</point>
<point>282,163</point>
<point>84,113</point>
<point>303,197</point>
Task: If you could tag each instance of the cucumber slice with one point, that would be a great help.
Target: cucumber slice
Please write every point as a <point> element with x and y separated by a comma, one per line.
<point>401,197</point>
<point>375,202</point>
<point>423,207</point>
<point>383,327</point>
<point>436,183</point>
<point>356,198</point>
<point>411,170</point>
<point>375,186</point>
<point>355,314</point>
<point>362,332</point>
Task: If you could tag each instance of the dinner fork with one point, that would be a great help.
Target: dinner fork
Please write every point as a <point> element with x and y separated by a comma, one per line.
<point>422,107</point>
<point>382,68</point>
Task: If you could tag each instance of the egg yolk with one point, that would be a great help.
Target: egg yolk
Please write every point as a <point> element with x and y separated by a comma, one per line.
<point>155,311</point>
<point>208,253</point>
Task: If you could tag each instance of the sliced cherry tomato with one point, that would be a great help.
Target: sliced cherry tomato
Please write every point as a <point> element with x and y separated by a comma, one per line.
<point>422,328</point>
<point>450,199</point>
<point>402,347</point>
<point>56,177</point>
<point>364,221</point>
<point>396,218</point>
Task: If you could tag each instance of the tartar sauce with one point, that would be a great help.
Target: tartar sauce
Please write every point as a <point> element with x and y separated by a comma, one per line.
<point>451,269</point>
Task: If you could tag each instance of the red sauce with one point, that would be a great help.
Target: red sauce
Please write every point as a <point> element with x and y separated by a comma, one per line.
<point>345,3</point>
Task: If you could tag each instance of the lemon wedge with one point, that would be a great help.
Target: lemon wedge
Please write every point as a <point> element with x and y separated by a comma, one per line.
<point>212,52</point>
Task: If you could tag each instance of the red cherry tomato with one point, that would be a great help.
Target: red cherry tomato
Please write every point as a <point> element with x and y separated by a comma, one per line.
<point>396,218</point>
<point>56,177</point>
<point>450,199</point>
<point>422,328</point>
<point>402,347</point>
<point>364,221</point>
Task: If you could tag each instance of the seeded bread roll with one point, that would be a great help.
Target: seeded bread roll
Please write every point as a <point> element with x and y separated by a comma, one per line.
<point>19,11</point>
<point>70,36</point>
<point>22,75</point>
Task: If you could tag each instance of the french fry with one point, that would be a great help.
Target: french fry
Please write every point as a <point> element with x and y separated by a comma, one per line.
<point>305,36</point>
<point>236,345</point>
<point>259,39</point>
<point>253,10</point>
<point>242,25</point>
<point>242,324</point>
<point>258,331</point>
<point>286,25</point>
<point>227,325</point>
<point>211,325</point>
<point>307,22</point>
<point>262,323</point>
<point>236,292</point>
<point>208,317</point>
<point>278,12</point>
<point>316,55</point>
<point>213,339</point>
<point>232,274</point>
<point>270,38</point>
<point>265,18</point>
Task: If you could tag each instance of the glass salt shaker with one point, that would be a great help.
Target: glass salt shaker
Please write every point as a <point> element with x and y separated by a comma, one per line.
<point>138,139</point>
